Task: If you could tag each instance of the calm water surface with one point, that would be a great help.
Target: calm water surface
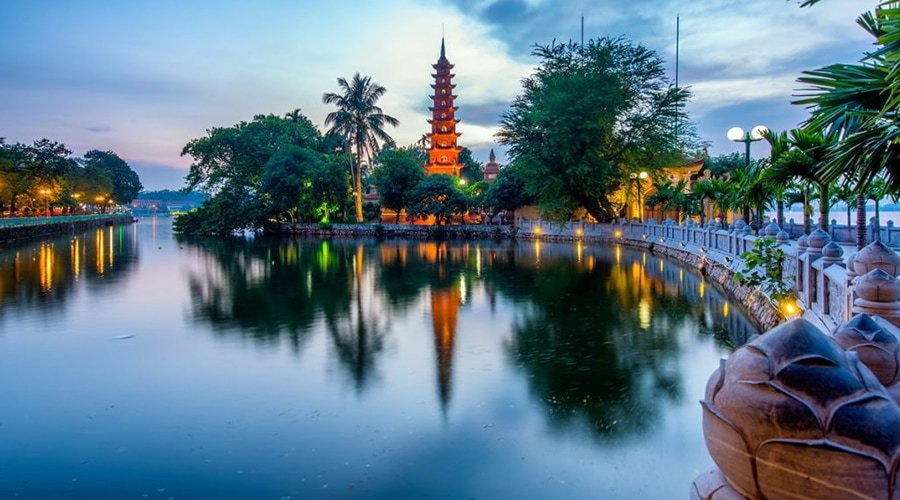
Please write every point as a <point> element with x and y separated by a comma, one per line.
<point>134,364</point>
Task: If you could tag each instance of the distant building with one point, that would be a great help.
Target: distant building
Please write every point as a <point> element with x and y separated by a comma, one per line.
<point>492,169</point>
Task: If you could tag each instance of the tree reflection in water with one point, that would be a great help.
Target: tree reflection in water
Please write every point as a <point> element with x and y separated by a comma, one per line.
<point>597,330</point>
<point>43,274</point>
<point>601,335</point>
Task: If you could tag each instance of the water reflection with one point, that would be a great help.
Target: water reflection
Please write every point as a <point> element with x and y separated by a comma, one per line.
<point>43,274</point>
<point>599,333</point>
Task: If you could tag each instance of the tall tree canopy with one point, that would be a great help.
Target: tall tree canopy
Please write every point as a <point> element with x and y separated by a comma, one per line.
<point>272,167</point>
<point>44,175</point>
<point>397,172</point>
<point>360,122</point>
<point>125,182</point>
<point>589,116</point>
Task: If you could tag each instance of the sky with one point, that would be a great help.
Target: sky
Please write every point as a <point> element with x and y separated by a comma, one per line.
<point>144,78</point>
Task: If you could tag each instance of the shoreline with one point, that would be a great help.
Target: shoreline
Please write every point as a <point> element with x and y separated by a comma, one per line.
<point>58,226</point>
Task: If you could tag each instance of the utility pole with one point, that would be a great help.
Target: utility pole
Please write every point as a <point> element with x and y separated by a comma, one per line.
<point>677,50</point>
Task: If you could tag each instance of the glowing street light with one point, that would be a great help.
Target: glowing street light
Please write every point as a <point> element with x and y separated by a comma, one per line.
<point>639,180</point>
<point>736,134</point>
<point>46,194</point>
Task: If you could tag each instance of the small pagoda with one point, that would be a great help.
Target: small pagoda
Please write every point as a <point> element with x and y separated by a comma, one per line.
<point>443,155</point>
<point>492,169</point>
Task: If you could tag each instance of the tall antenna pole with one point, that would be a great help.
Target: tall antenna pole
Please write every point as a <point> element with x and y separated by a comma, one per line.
<point>677,54</point>
<point>582,32</point>
<point>677,46</point>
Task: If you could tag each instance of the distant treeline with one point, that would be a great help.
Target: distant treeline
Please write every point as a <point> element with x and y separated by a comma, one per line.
<point>174,196</point>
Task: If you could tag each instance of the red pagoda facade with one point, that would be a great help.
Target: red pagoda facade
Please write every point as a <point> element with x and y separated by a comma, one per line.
<point>443,155</point>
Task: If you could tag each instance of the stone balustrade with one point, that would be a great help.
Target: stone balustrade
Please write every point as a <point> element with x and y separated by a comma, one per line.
<point>822,271</point>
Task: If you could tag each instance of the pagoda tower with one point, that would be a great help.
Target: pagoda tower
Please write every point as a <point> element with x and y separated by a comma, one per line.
<point>443,155</point>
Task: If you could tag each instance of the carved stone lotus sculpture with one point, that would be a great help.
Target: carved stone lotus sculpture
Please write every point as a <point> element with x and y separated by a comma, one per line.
<point>877,343</point>
<point>876,255</point>
<point>792,415</point>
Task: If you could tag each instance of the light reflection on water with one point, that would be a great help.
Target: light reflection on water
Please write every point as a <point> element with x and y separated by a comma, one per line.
<point>263,367</point>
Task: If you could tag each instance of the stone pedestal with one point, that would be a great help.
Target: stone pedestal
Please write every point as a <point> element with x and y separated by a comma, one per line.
<point>793,415</point>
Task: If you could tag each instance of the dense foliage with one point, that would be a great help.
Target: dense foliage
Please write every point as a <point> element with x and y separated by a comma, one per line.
<point>588,117</point>
<point>438,196</point>
<point>398,171</point>
<point>44,176</point>
<point>270,168</point>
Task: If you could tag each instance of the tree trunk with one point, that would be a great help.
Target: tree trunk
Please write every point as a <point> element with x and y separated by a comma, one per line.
<point>860,221</point>
<point>848,217</point>
<point>357,188</point>
<point>823,207</point>
<point>807,225</point>
<point>779,211</point>
<point>877,215</point>
<point>398,217</point>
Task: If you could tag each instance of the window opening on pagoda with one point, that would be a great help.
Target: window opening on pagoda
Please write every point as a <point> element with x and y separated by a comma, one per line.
<point>443,115</point>
<point>443,159</point>
<point>443,129</point>
<point>443,103</point>
<point>443,91</point>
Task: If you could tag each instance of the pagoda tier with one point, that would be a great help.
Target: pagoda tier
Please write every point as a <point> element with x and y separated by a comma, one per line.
<point>443,155</point>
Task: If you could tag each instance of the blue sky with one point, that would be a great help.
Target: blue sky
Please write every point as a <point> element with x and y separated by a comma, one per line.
<point>143,78</point>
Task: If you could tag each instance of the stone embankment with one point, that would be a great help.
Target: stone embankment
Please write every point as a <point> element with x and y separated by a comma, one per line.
<point>32,228</point>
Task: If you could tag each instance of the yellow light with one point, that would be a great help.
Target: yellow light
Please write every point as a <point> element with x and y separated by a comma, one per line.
<point>617,233</point>
<point>579,232</point>
<point>643,175</point>
<point>644,314</point>
<point>537,230</point>
<point>725,309</point>
<point>789,308</point>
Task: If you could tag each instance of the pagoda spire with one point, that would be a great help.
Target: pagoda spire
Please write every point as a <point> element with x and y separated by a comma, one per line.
<point>443,153</point>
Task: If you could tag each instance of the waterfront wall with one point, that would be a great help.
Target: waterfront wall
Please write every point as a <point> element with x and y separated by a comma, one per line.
<point>12,230</point>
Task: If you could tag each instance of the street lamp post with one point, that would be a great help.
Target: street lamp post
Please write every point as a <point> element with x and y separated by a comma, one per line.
<point>46,194</point>
<point>737,134</point>
<point>639,181</point>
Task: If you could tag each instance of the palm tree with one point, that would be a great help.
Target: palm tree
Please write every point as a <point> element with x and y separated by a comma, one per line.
<point>859,103</point>
<point>714,190</point>
<point>779,144</point>
<point>804,161</point>
<point>360,122</point>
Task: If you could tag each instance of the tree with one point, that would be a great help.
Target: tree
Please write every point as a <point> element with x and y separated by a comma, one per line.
<point>472,170</point>
<point>589,116</point>
<point>859,104</point>
<point>438,196</point>
<point>233,208</point>
<point>125,182</point>
<point>507,192</point>
<point>779,144</point>
<point>360,122</point>
<point>231,161</point>
<point>805,160</point>
<point>397,173</point>
<point>287,180</point>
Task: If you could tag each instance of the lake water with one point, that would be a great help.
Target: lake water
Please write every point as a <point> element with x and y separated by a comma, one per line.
<point>135,364</point>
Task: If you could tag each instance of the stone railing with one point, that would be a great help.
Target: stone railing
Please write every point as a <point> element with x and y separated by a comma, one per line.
<point>822,275</point>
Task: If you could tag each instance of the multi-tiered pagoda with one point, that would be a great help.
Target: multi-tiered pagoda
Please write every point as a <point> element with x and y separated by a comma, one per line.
<point>443,154</point>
